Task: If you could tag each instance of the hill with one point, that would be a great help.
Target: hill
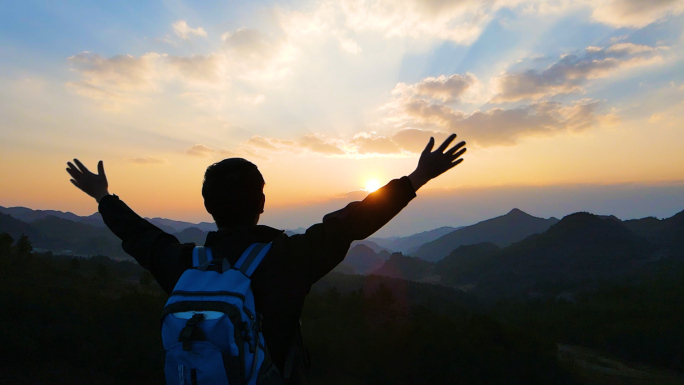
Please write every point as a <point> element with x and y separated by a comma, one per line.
<point>409,244</point>
<point>28,215</point>
<point>573,254</point>
<point>408,268</point>
<point>363,260</point>
<point>501,231</point>
<point>192,235</point>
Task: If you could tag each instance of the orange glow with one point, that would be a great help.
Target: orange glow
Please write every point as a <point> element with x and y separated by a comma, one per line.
<point>372,185</point>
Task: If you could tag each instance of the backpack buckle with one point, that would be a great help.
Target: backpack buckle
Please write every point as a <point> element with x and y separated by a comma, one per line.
<point>191,332</point>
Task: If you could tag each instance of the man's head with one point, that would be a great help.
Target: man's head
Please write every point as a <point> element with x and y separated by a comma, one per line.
<point>233,192</point>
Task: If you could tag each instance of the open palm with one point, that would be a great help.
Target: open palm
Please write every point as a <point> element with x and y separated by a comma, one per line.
<point>94,185</point>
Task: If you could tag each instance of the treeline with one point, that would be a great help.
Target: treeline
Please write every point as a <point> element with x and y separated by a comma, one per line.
<point>638,319</point>
<point>74,320</point>
<point>96,321</point>
<point>372,338</point>
<point>67,319</point>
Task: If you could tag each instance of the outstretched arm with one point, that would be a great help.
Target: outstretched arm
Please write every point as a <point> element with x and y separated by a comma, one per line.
<point>155,250</point>
<point>329,241</point>
<point>434,163</point>
<point>94,185</point>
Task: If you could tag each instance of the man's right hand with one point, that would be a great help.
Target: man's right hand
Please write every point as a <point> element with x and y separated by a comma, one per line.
<point>434,163</point>
<point>94,185</point>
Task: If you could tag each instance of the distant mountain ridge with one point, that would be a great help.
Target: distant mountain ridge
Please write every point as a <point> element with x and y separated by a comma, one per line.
<point>28,215</point>
<point>575,254</point>
<point>569,254</point>
<point>501,231</point>
<point>409,244</point>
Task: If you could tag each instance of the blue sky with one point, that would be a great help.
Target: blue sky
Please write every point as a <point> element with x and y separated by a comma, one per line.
<point>325,96</point>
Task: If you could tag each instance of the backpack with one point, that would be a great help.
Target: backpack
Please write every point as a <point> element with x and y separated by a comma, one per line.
<point>211,331</point>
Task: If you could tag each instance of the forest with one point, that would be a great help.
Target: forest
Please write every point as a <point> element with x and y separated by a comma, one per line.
<point>68,319</point>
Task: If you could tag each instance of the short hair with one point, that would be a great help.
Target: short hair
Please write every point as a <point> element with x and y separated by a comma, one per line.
<point>233,191</point>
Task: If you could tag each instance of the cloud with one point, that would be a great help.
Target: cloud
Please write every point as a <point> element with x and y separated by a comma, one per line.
<point>457,21</point>
<point>147,161</point>
<point>199,68</point>
<point>416,120</point>
<point>264,143</point>
<point>126,79</point>
<point>572,71</point>
<point>495,126</point>
<point>183,30</point>
<point>316,143</point>
<point>375,145</point>
<point>252,99</point>
<point>202,151</point>
<point>349,45</point>
<point>257,56</point>
<point>414,140</point>
<point>442,88</point>
<point>120,72</point>
<point>635,13</point>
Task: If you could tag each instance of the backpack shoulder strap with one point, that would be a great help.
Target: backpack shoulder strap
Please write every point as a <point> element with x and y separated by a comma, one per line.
<point>252,257</point>
<point>201,255</point>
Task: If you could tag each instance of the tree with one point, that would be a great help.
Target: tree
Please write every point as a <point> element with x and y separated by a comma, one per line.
<point>23,247</point>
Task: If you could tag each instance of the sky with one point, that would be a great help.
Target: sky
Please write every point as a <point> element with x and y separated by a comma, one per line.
<point>565,105</point>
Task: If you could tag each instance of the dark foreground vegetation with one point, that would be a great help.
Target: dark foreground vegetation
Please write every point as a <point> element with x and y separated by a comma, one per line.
<point>72,320</point>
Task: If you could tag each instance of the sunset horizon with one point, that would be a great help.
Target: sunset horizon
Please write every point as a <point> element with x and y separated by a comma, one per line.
<point>565,106</point>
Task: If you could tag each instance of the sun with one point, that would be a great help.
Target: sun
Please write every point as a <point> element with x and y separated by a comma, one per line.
<point>372,185</point>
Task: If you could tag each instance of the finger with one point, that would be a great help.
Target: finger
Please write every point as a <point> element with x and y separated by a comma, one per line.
<point>74,173</point>
<point>458,161</point>
<point>446,143</point>
<point>71,168</point>
<point>455,148</point>
<point>76,184</point>
<point>81,167</point>
<point>458,154</point>
<point>100,169</point>
<point>429,146</point>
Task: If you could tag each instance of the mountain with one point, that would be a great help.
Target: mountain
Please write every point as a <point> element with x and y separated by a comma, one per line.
<point>27,215</point>
<point>456,267</point>
<point>408,268</point>
<point>363,260</point>
<point>172,226</point>
<point>578,251</point>
<point>667,233</point>
<point>372,245</point>
<point>15,227</point>
<point>61,235</point>
<point>411,243</point>
<point>192,235</point>
<point>501,231</point>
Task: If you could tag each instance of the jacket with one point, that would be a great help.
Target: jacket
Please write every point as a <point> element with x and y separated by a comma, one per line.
<point>284,278</point>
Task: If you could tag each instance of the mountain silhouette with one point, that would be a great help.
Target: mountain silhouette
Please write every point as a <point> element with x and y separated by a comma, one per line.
<point>28,215</point>
<point>15,227</point>
<point>501,231</point>
<point>192,235</point>
<point>580,249</point>
<point>363,259</point>
<point>456,267</point>
<point>171,226</point>
<point>62,235</point>
<point>408,268</point>
<point>667,233</point>
<point>411,243</point>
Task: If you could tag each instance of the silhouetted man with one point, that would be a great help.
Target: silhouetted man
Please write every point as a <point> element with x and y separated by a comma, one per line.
<point>233,195</point>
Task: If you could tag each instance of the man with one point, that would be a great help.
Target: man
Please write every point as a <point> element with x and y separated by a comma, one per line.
<point>233,195</point>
